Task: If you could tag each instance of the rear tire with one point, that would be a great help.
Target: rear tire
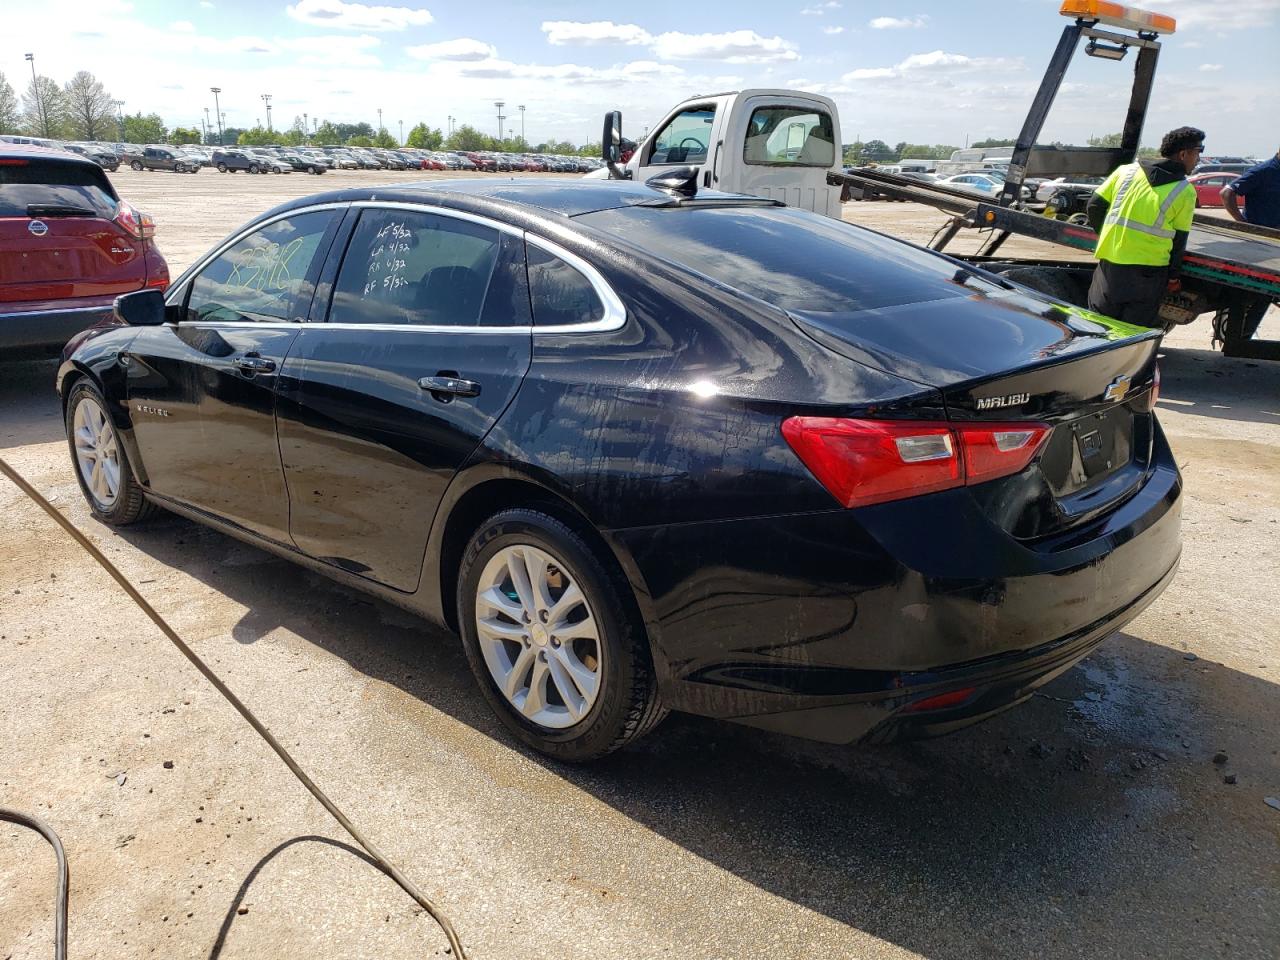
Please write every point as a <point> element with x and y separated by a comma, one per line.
<point>1055,283</point>
<point>100,462</point>
<point>576,694</point>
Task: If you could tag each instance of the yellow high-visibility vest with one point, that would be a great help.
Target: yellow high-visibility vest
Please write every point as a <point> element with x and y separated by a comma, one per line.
<point>1142,219</point>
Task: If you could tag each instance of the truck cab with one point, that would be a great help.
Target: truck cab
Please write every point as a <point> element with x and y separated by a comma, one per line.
<point>779,144</point>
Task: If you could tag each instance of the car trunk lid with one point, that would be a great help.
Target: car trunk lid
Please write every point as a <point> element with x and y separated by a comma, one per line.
<point>1006,357</point>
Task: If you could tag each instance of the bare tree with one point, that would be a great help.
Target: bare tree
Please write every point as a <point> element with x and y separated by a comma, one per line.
<point>88,107</point>
<point>8,107</point>
<point>43,109</point>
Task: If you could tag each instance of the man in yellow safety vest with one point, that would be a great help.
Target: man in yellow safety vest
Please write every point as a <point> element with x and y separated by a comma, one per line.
<point>1142,214</point>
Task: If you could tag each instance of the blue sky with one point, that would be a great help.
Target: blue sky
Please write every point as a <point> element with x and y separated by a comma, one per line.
<point>924,72</point>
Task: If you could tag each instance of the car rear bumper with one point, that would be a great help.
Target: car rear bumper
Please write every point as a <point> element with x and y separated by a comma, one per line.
<point>48,328</point>
<point>833,625</point>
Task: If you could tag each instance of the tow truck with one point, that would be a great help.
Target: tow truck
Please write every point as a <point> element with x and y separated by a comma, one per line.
<point>783,145</point>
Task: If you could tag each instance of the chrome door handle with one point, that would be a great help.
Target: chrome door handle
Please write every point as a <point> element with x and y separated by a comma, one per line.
<point>252,364</point>
<point>450,385</point>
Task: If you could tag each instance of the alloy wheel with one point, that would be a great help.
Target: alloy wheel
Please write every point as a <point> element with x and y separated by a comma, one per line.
<point>539,637</point>
<point>97,453</point>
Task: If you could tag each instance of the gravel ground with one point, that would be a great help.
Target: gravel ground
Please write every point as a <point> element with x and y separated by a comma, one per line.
<point>1091,821</point>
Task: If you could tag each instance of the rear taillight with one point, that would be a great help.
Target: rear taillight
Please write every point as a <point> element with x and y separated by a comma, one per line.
<point>862,462</point>
<point>1155,386</point>
<point>136,223</point>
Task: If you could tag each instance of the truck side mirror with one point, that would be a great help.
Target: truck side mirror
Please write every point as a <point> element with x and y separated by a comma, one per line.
<point>611,145</point>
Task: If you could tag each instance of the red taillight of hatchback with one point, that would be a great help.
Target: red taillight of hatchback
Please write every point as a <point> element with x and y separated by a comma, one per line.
<point>862,462</point>
<point>136,223</point>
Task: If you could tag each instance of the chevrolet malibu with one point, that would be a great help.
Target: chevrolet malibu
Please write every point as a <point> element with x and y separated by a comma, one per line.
<point>645,451</point>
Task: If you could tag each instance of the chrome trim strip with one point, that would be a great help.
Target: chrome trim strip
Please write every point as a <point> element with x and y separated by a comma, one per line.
<point>105,308</point>
<point>615,314</point>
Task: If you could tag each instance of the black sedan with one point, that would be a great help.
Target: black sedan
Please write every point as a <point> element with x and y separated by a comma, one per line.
<point>650,452</point>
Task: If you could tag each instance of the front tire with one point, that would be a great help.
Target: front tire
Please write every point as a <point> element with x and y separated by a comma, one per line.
<point>100,461</point>
<point>552,635</point>
<point>136,165</point>
<point>222,168</point>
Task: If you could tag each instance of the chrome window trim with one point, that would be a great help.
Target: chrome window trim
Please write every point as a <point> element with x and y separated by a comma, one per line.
<point>615,314</point>
<point>104,308</point>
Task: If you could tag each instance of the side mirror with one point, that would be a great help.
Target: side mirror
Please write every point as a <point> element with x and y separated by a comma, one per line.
<point>142,308</point>
<point>611,145</point>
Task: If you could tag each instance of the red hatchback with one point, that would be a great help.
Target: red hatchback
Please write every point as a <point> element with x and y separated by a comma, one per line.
<point>68,247</point>
<point>1209,186</point>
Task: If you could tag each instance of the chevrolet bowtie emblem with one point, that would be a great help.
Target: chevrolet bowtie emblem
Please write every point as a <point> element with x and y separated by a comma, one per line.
<point>1117,388</point>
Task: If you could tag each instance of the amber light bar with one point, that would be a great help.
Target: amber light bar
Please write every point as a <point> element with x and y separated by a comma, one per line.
<point>1116,15</point>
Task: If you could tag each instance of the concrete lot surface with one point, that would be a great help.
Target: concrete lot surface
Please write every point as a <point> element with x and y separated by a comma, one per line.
<point>1092,821</point>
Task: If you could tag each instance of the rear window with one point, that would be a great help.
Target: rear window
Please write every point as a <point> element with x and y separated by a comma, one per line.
<point>61,184</point>
<point>796,260</point>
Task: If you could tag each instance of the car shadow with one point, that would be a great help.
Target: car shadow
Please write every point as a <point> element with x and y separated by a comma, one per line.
<point>1204,383</point>
<point>29,407</point>
<point>1080,823</point>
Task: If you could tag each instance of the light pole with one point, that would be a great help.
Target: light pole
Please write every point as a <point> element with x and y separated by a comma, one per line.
<point>208,125</point>
<point>119,105</point>
<point>401,122</point>
<point>266,98</point>
<point>379,120</point>
<point>35,89</point>
<point>521,109</point>
<point>500,104</point>
<point>304,124</point>
<point>217,112</point>
<point>449,126</point>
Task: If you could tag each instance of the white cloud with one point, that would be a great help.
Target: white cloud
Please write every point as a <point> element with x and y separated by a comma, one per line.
<point>1210,67</point>
<point>832,31</point>
<point>206,4</point>
<point>182,26</point>
<point>463,49</point>
<point>1191,45</point>
<point>357,16</point>
<point>570,33</point>
<point>1220,17</point>
<point>899,23</point>
<point>739,46</point>
<point>818,9</point>
<point>937,62</point>
<point>338,51</point>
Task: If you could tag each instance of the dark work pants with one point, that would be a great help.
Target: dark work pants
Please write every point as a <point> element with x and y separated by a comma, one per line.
<point>1128,292</point>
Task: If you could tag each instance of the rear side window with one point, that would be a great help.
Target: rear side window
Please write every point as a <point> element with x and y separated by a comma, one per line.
<point>789,136</point>
<point>415,268</point>
<point>561,295</point>
<point>54,184</point>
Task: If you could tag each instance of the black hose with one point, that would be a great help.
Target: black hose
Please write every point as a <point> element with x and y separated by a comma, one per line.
<point>385,865</point>
<point>64,877</point>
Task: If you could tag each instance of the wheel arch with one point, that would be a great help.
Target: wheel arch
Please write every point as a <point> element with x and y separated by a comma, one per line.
<point>492,491</point>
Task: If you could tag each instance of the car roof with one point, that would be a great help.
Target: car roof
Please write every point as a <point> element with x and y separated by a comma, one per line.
<point>567,198</point>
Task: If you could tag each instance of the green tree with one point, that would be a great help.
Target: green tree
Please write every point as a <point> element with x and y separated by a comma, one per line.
<point>294,137</point>
<point>8,107</point>
<point>327,134</point>
<point>878,151</point>
<point>348,130</point>
<point>184,135</point>
<point>425,138</point>
<point>148,129</point>
<point>360,141</point>
<point>259,136</point>
<point>994,143</point>
<point>43,108</point>
<point>89,108</point>
<point>385,140</point>
<point>467,137</point>
<point>230,135</point>
<point>1106,140</point>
